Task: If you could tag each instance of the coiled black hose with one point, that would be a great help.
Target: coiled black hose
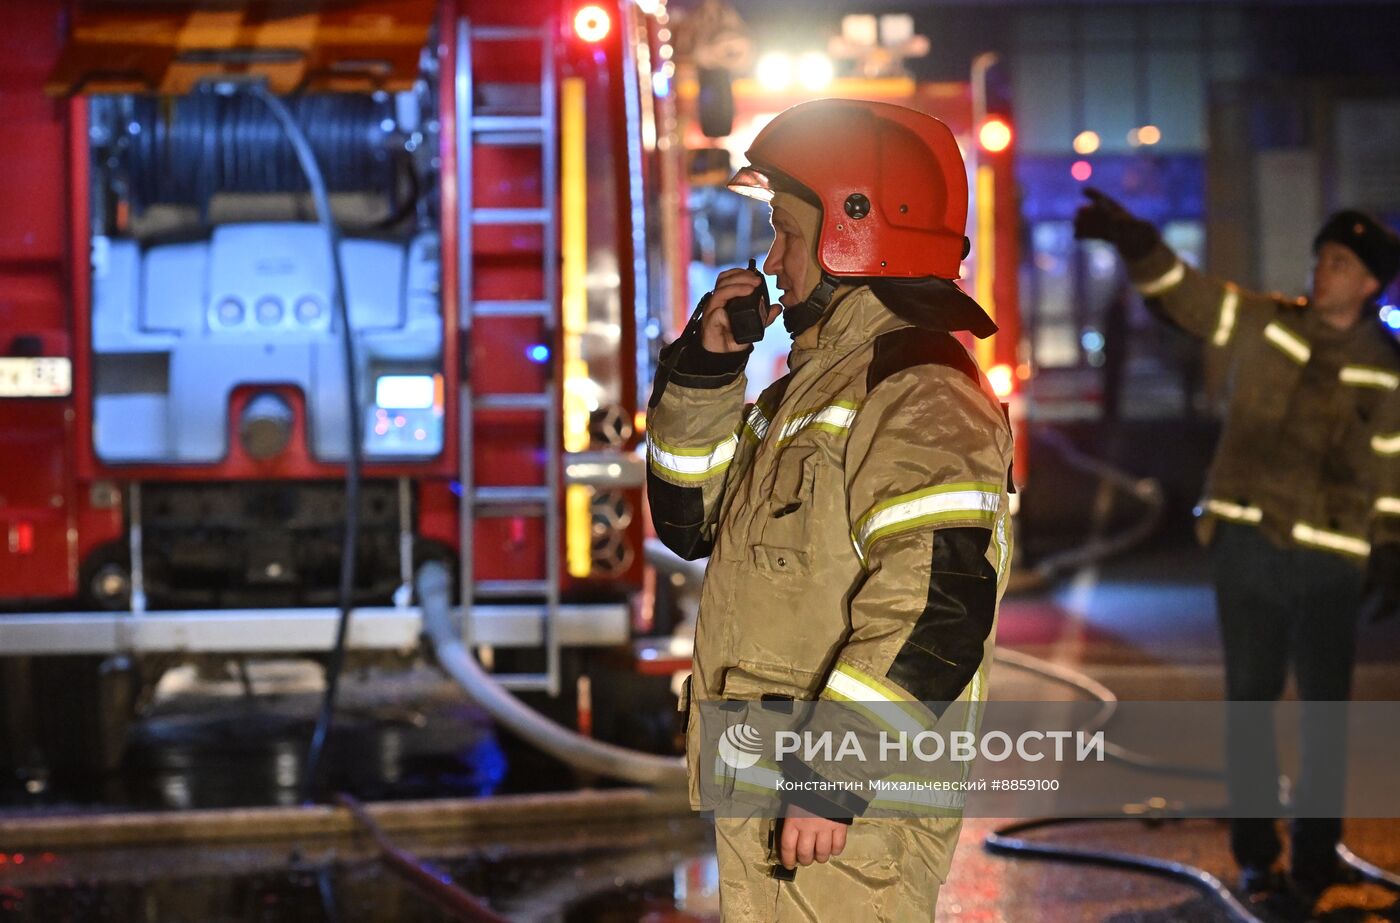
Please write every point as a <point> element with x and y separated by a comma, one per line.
<point>184,150</point>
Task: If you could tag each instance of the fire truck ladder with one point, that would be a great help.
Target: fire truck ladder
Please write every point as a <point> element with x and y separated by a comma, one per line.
<point>538,128</point>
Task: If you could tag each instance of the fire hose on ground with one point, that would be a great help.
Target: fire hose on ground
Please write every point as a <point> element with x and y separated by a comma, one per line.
<point>565,745</point>
<point>1004,841</point>
<point>423,876</point>
<point>1146,491</point>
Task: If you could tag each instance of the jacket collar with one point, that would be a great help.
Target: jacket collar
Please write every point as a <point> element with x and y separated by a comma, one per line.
<point>1369,333</point>
<point>855,317</point>
<point>858,314</point>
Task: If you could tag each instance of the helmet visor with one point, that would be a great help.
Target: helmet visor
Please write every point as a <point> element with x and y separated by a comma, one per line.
<point>752,182</point>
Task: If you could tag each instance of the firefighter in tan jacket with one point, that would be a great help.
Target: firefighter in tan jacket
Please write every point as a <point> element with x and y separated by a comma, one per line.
<point>856,516</point>
<point>1302,502</point>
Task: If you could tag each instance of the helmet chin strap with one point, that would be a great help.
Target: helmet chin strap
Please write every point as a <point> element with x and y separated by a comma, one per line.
<point>801,316</point>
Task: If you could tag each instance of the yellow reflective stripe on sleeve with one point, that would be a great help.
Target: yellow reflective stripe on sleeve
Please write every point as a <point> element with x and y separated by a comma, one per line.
<point>762,777</point>
<point>1227,510</point>
<point>1333,541</point>
<point>976,695</point>
<point>1369,377</point>
<point>1389,505</point>
<point>906,793</point>
<point>756,424</point>
<point>891,716</point>
<point>856,685</point>
<point>1386,444</point>
<point>1169,279</point>
<point>886,706</point>
<point>1294,346</point>
<point>978,500</point>
<point>833,418</point>
<point>691,464</point>
<point>1229,303</point>
<point>976,691</point>
<point>910,794</point>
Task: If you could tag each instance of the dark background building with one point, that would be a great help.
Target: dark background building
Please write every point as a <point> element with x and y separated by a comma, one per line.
<point>1235,126</point>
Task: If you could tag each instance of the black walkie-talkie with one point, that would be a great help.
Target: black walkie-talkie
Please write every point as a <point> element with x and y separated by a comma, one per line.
<point>747,313</point>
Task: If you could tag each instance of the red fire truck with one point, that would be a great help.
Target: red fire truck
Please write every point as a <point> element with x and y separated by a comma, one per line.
<point>192,360</point>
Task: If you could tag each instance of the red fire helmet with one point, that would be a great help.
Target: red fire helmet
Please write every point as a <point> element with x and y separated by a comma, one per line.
<point>890,181</point>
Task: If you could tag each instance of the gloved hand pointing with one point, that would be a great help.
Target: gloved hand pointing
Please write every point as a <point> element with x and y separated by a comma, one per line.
<point>1105,219</point>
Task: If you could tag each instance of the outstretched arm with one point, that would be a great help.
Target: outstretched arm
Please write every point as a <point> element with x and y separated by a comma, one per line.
<point>1206,308</point>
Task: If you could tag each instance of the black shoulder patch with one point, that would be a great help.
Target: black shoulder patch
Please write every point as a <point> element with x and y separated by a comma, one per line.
<point>910,346</point>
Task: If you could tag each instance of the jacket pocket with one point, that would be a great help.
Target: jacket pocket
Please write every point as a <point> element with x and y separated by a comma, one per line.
<point>750,681</point>
<point>751,694</point>
<point>1346,508</point>
<point>785,518</point>
<point>794,476</point>
<point>779,560</point>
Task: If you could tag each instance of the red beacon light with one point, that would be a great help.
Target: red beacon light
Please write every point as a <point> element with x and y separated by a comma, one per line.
<point>592,23</point>
<point>1003,380</point>
<point>22,537</point>
<point>994,135</point>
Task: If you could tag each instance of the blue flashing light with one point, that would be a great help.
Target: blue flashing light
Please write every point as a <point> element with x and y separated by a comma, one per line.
<point>1390,316</point>
<point>537,353</point>
<point>1092,341</point>
<point>660,85</point>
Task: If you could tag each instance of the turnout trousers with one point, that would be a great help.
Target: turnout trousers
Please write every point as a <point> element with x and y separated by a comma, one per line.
<point>1282,607</point>
<point>884,875</point>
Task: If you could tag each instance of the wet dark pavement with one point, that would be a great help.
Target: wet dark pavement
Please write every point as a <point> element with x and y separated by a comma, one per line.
<point>666,878</point>
<point>400,733</point>
<point>611,872</point>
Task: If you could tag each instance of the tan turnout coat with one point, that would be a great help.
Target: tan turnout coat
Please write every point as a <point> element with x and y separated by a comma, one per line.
<point>857,524</point>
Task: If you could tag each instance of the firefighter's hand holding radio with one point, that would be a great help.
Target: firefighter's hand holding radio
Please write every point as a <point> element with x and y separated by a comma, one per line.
<point>733,290</point>
<point>727,321</point>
